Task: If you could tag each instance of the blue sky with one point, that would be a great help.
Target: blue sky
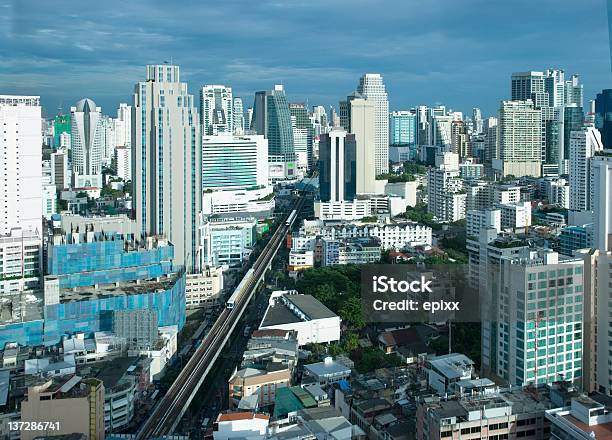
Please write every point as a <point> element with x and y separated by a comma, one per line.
<point>459,53</point>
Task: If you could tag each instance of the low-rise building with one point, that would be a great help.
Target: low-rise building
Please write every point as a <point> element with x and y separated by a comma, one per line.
<point>262,383</point>
<point>585,418</point>
<point>326,372</point>
<point>351,251</point>
<point>443,371</point>
<point>204,289</point>
<point>244,424</point>
<point>313,322</point>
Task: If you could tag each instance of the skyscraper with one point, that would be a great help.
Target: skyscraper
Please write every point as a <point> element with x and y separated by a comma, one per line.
<point>360,116</point>
<point>372,87</point>
<point>216,109</point>
<point>21,164</point>
<point>573,120</point>
<point>61,124</point>
<point>601,199</point>
<point>603,116</point>
<point>123,125</point>
<point>583,145</point>
<point>166,161</point>
<point>239,121</point>
<point>337,166</point>
<point>529,85</point>
<point>86,144</point>
<point>476,121</point>
<point>272,119</point>
<point>519,138</point>
<point>303,135</point>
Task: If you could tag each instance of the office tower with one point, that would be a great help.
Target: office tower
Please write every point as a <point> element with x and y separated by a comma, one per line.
<point>234,162</point>
<point>337,166</point>
<point>539,318</point>
<point>87,144</point>
<point>519,138</point>
<point>554,86</point>
<point>166,161</point>
<point>446,198</point>
<point>272,119</point>
<point>441,130</point>
<point>372,87</point>
<point>583,145</point>
<point>603,116</point>
<point>491,145</point>
<point>601,199</point>
<point>249,118</point>
<point>573,120</point>
<point>238,117</point>
<point>362,123</point>
<point>21,164</point>
<point>477,122</point>
<point>60,176</point>
<point>574,92</point>
<point>216,109</point>
<point>303,135</point>
<point>460,139</point>
<point>530,85</point>
<point>123,126</point>
<point>61,124</point>
<point>403,128</point>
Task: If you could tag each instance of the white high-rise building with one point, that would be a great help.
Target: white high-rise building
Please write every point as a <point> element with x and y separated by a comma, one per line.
<point>109,139</point>
<point>123,162</point>
<point>239,120</point>
<point>123,126</point>
<point>520,139</point>
<point>166,161</point>
<point>20,164</point>
<point>477,123</point>
<point>216,109</point>
<point>583,146</point>
<point>446,200</point>
<point>87,144</point>
<point>601,199</point>
<point>234,162</point>
<point>372,87</point>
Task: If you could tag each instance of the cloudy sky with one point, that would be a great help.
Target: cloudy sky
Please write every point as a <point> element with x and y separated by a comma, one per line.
<point>455,52</point>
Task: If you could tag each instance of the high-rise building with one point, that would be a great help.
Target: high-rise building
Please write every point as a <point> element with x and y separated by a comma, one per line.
<point>573,120</point>
<point>519,138</point>
<point>601,199</point>
<point>584,144</point>
<point>234,162</point>
<point>403,128</point>
<point>21,164</point>
<point>362,123</point>
<point>272,119</point>
<point>539,318</point>
<point>166,161</point>
<point>530,85</point>
<point>123,126</point>
<point>303,135</point>
<point>87,144</point>
<point>239,120</point>
<point>460,139</point>
<point>372,87</point>
<point>60,175</point>
<point>446,198</point>
<point>123,162</point>
<point>477,123</point>
<point>603,116</point>
<point>216,109</point>
<point>337,166</point>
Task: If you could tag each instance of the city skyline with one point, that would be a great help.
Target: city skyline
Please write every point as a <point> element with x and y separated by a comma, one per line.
<point>443,57</point>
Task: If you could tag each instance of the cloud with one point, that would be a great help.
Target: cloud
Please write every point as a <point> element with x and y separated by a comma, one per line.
<point>459,53</point>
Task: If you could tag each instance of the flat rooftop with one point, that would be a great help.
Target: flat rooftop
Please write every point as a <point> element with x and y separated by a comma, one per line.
<point>291,308</point>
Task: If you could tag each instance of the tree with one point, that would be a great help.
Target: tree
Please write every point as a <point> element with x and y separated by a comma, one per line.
<point>351,312</point>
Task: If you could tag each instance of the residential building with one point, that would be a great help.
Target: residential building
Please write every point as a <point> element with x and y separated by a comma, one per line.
<point>216,109</point>
<point>573,238</point>
<point>60,173</point>
<point>166,174</point>
<point>372,87</point>
<point>327,372</point>
<point>86,144</point>
<point>20,261</point>
<point>601,194</point>
<point>520,139</point>
<point>584,144</point>
<point>478,220</point>
<point>263,383</point>
<point>21,150</point>
<point>241,424</point>
<point>313,322</point>
<point>443,372</point>
<point>303,135</point>
<point>240,125</point>
<point>446,197</point>
<point>123,163</point>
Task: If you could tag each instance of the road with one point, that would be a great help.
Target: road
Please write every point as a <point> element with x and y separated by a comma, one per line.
<point>168,412</point>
